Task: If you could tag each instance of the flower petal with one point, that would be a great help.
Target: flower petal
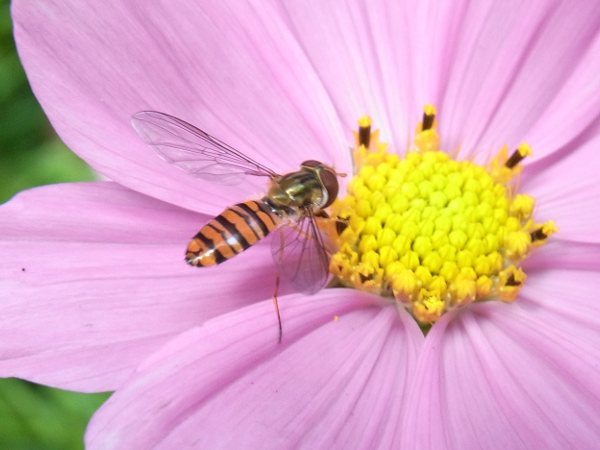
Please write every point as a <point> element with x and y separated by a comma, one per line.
<point>566,189</point>
<point>362,53</point>
<point>337,379</point>
<point>491,68</point>
<point>234,70</point>
<point>563,254</point>
<point>507,61</point>
<point>92,281</point>
<point>574,110</point>
<point>519,375</point>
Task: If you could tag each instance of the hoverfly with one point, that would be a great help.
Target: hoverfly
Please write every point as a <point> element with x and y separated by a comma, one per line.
<point>290,207</point>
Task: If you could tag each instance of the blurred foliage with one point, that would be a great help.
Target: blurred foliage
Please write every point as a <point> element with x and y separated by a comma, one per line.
<point>33,416</point>
<point>38,417</point>
<point>30,153</point>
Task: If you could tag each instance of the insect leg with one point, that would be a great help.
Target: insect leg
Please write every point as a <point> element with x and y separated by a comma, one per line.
<point>277,307</point>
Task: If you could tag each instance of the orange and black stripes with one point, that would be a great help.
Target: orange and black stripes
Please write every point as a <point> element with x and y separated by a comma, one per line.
<point>231,232</point>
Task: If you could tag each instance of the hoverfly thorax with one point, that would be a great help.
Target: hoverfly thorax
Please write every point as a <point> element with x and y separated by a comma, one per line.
<point>314,185</point>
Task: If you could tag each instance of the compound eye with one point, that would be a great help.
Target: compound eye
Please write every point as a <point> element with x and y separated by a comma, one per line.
<point>330,181</point>
<point>312,163</point>
<point>328,178</point>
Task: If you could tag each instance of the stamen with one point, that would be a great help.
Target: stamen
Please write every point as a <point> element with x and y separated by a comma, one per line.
<point>426,137</point>
<point>428,117</point>
<point>518,155</point>
<point>364,131</point>
<point>538,235</point>
<point>368,151</point>
<point>543,233</point>
<point>510,282</point>
<point>503,169</point>
<point>341,225</point>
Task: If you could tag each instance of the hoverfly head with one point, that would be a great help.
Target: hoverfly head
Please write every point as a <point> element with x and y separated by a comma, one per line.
<point>328,178</point>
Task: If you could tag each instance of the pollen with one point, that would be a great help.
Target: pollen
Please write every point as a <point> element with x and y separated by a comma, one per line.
<point>432,232</point>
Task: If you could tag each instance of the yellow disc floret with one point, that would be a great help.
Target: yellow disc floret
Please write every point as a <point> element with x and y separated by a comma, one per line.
<point>432,232</point>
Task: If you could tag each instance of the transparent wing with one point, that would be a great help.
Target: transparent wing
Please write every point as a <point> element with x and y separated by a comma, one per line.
<point>194,151</point>
<point>299,252</point>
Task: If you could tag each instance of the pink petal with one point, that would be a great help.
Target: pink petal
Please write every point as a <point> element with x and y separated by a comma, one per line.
<point>234,70</point>
<point>296,58</point>
<point>506,63</point>
<point>363,52</point>
<point>566,188</point>
<point>491,68</point>
<point>562,254</point>
<point>574,108</point>
<point>92,281</point>
<point>337,379</point>
<point>513,376</point>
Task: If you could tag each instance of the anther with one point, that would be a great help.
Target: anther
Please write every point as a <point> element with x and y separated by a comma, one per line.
<point>511,281</point>
<point>364,278</point>
<point>519,154</point>
<point>428,117</point>
<point>543,232</point>
<point>341,224</point>
<point>538,235</point>
<point>364,131</point>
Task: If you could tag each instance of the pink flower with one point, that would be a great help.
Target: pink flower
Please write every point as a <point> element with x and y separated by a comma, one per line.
<point>95,295</point>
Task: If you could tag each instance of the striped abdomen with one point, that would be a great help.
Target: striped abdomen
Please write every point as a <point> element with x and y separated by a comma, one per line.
<point>231,232</point>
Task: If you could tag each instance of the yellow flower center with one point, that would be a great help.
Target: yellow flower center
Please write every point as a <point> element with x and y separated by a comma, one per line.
<point>430,231</point>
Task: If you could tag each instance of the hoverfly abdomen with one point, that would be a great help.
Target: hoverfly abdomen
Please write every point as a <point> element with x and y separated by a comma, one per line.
<point>233,231</point>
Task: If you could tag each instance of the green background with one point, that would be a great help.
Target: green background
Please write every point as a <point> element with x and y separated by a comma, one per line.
<point>33,416</point>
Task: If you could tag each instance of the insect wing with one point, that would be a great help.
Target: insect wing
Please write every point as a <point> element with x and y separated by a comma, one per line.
<point>299,252</point>
<point>194,151</point>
